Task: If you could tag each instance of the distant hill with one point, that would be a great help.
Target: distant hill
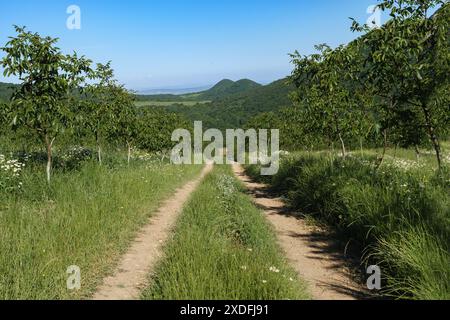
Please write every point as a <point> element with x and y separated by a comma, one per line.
<point>173,91</point>
<point>228,87</point>
<point>228,104</point>
<point>234,110</point>
<point>6,90</point>
<point>219,91</point>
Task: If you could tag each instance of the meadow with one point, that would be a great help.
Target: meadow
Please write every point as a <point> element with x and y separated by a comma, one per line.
<point>86,217</point>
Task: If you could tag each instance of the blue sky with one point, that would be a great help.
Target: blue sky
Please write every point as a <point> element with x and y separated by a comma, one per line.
<point>176,43</point>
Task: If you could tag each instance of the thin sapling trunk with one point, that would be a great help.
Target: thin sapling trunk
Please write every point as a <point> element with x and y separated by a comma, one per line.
<point>381,159</point>
<point>99,148</point>
<point>416,148</point>
<point>432,134</point>
<point>49,146</point>
<point>361,146</point>
<point>129,152</point>
<point>344,152</point>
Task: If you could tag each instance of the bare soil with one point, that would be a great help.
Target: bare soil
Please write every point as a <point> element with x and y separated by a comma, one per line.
<point>317,258</point>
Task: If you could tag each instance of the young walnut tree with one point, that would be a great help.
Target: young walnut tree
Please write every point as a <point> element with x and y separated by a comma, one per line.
<point>407,61</point>
<point>99,114</point>
<point>48,79</point>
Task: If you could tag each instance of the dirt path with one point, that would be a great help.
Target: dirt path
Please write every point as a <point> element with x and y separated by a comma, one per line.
<point>313,255</point>
<point>132,271</point>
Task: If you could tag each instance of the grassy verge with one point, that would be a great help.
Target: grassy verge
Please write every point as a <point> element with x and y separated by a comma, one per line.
<point>223,249</point>
<point>86,218</point>
<point>399,216</point>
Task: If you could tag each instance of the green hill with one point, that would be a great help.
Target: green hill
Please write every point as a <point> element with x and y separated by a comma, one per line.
<point>228,104</point>
<point>235,109</point>
<point>6,90</point>
<point>228,87</point>
<point>219,91</point>
<point>220,88</point>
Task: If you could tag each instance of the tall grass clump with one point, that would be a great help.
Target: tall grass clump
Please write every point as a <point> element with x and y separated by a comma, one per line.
<point>86,217</point>
<point>223,249</point>
<point>399,218</point>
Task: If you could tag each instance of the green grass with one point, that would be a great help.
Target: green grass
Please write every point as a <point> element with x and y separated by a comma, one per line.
<point>223,248</point>
<point>86,218</point>
<point>398,216</point>
<point>426,160</point>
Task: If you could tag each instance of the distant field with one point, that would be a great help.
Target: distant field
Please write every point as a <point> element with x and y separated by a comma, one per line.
<point>168,103</point>
<point>191,95</point>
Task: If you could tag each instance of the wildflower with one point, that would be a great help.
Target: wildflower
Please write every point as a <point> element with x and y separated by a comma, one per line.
<point>10,171</point>
<point>274,269</point>
<point>264,281</point>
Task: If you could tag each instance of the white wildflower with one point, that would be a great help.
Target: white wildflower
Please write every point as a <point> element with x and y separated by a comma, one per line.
<point>274,269</point>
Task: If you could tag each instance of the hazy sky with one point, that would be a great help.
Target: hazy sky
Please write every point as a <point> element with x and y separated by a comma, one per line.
<point>176,43</point>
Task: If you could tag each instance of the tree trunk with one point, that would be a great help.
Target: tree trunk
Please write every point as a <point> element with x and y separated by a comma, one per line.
<point>49,146</point>
<point>361,146</point>
<point>416,148</point>
<point>129,152</point>
<point>381,159</point>
<point>99,153</point>
<point>99,148</point>
<point>344,153</point>
<point>432,133</point>
<point>338,130</point>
